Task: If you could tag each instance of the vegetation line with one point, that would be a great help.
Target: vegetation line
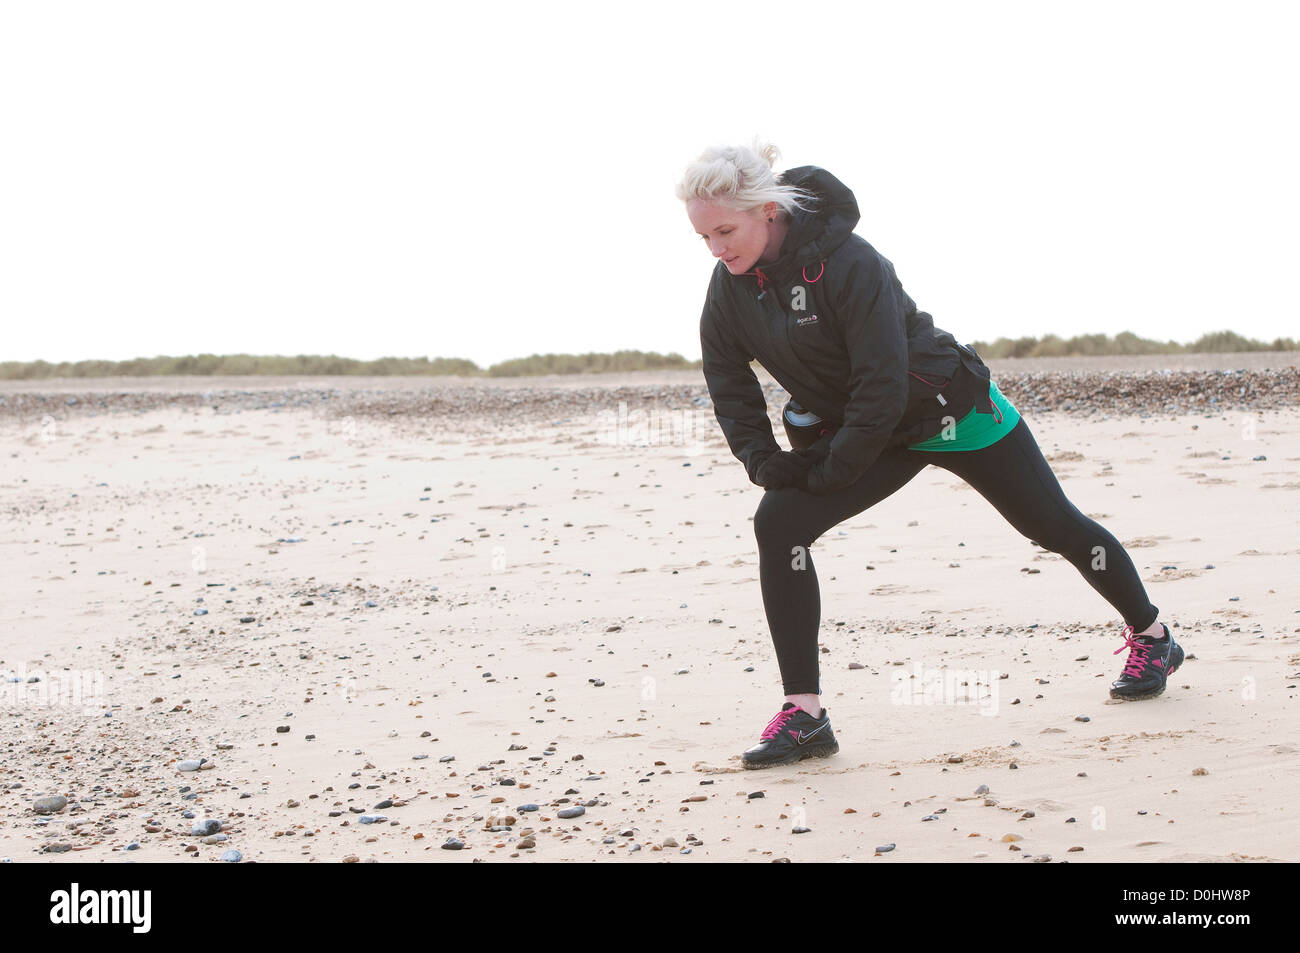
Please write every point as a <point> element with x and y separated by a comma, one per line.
<point>590,363</point>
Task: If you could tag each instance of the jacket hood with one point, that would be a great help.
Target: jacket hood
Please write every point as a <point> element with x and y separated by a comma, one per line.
<point>815,232</point>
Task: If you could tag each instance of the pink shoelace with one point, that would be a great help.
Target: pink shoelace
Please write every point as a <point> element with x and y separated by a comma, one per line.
<point>776,724</point>
<point>1138,651</point>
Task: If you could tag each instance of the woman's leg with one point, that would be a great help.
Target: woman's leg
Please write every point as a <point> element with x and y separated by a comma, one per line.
<point>1013,476</point>
<point>786,524</point>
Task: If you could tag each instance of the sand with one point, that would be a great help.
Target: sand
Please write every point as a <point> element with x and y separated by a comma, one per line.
<point>512,565</point>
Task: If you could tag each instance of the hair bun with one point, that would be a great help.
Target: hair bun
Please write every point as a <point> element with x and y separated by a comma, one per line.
<point>741,177</point>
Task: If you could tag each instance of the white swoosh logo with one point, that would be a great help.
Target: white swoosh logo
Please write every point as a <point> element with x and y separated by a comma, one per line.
<point>803,738</point>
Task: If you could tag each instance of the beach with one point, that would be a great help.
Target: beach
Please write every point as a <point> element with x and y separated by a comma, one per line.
<point>418,619</point>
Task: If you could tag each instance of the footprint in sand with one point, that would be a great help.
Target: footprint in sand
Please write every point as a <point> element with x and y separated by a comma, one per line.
<point>889,589</point>
<point>703,767</point>
<point>1169,575</point>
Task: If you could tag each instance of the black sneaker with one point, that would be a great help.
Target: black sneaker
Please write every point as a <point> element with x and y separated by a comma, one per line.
<point>1150,663</point>
<point>792,736</point>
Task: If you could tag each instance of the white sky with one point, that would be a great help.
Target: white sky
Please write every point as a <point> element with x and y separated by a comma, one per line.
<point>489,181</point>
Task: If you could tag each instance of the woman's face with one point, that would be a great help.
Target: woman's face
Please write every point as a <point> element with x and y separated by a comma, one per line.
<point>738,238</point>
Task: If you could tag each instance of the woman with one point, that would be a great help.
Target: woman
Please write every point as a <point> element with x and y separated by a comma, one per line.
<point>877,393</point>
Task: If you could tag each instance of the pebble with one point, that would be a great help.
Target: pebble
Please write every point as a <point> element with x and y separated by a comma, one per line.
<point>982,789</point>
<point>215,838</point>
<point>453,843</point>
<point>885,848</point>
<point>50,805</point>
<point>232,856</point>
<point>525,808</point>
<point>191,765</point>
<point>371,818</point>
<point>572,812</point>
<point>800,830</point>
<point>209,825</point>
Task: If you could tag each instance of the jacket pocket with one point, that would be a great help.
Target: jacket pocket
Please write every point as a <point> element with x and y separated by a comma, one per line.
<point>932,405</point>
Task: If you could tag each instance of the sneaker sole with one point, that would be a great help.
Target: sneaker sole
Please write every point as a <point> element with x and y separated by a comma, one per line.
<point>810,751</point>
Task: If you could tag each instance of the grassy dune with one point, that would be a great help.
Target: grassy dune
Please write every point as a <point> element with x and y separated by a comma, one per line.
<point>590,363</point>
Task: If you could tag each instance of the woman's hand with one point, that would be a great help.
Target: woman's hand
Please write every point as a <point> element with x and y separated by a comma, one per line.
<point>817,452</point>
<point>785,468</point>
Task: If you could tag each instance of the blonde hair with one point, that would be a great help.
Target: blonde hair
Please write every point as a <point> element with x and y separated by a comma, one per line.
<point>740,177</point>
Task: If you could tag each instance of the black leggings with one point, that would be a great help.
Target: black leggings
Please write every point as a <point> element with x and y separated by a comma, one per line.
<point>1011,474</point>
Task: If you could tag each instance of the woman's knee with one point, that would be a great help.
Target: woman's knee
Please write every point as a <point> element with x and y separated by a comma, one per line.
<point>1066,532</point>
<point>777,520</point>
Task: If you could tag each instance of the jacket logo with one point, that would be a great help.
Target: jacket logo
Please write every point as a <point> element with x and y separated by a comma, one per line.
<point>807,319</point>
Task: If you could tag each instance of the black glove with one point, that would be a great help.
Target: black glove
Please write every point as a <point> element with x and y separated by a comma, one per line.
<point>784,468</point>
<point>818,451</point>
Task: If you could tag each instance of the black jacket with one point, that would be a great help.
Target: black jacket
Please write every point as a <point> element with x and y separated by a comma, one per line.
<point>857,352</point>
